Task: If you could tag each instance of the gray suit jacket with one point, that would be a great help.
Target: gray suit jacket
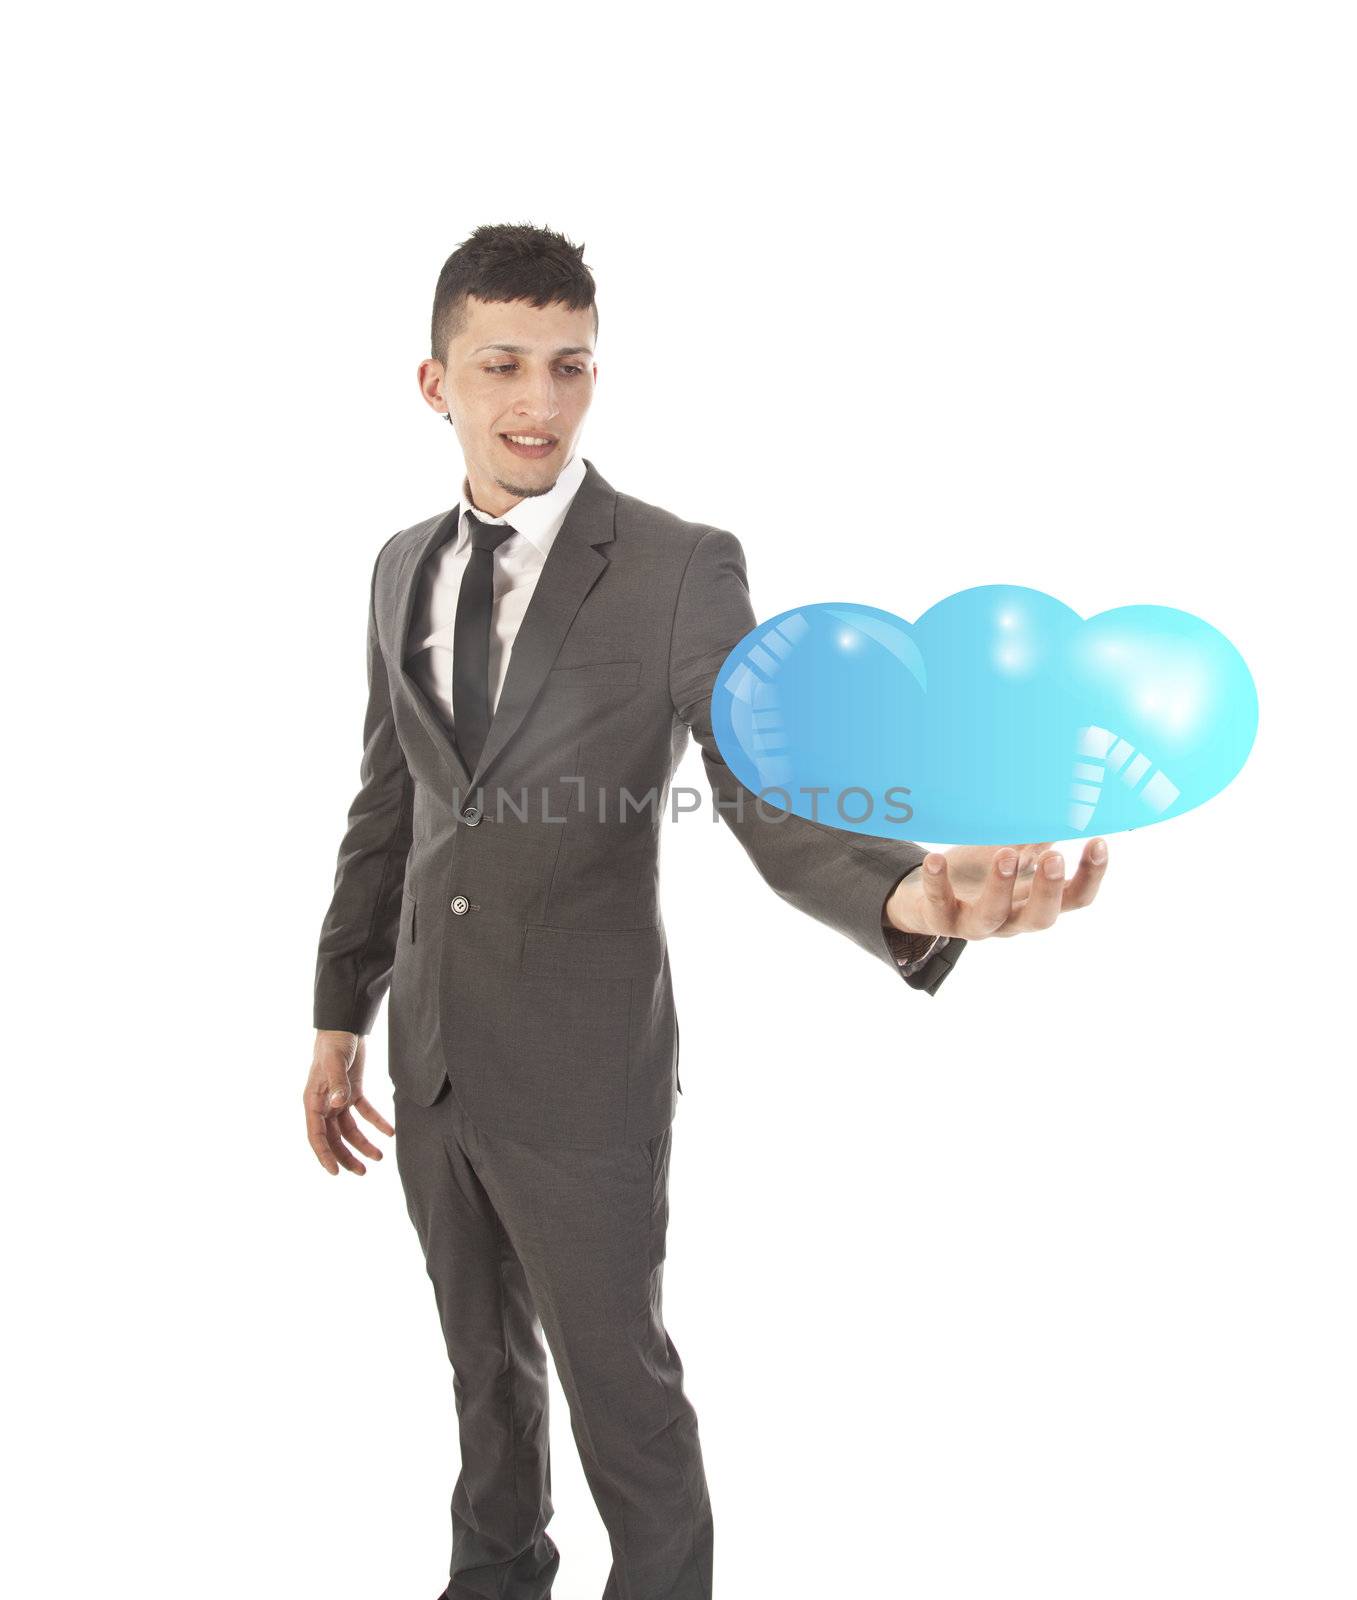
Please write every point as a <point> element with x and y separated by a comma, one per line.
<point>514,911</point>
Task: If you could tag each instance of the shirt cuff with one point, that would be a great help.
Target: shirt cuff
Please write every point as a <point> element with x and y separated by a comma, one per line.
<point>903,944</point>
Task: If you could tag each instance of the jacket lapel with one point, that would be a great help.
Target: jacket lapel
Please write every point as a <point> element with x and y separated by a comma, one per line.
<point>439,532</point>
<point>573,566</point>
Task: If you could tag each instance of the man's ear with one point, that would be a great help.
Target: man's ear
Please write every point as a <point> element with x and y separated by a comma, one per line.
<point>421,376</point>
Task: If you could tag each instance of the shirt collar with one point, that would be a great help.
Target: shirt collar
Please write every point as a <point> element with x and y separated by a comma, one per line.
<point>538,518</point>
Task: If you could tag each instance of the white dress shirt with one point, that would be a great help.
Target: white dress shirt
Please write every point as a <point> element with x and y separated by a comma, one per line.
<point>516,566</point>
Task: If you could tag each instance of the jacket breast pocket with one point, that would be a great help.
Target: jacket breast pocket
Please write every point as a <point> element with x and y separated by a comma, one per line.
<point>596,675</point>
<point>584,953</point>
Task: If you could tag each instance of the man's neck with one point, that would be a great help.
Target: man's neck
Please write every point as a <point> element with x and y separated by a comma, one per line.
<point>490,498</point>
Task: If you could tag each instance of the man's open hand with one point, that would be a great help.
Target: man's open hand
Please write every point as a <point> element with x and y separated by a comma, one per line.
<point>334,1091</point>
<point>987,891</point>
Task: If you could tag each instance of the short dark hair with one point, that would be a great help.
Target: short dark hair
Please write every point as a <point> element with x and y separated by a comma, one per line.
<point>509,261</point>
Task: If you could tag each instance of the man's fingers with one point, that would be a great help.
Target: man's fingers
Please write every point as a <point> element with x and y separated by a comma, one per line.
<point>1029,855</point>
<point>355,1135</point>
<point>365,1108</point>
<point>329,1095</point>
<point>323,1134</point>
<point>1048,885</point>
<point>1050,895</point>
<point>1024,890</point>
<point>317,1136</point>
<point>343,1155</point>
<point>1038,905</point>
<point>993,906</point>
<point>939,896</point>
<point>1082,887</point>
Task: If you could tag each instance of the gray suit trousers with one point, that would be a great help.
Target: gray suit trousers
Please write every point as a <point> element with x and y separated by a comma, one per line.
<point>520,1239</point>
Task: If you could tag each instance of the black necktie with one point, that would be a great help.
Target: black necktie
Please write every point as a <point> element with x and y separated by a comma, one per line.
<point>471,709</point>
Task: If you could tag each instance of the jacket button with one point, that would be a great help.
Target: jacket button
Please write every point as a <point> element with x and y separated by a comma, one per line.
<point>461,905</point>
<point>471,815</point>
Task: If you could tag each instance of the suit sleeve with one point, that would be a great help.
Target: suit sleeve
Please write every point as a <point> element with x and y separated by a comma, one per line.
<point>358,936</point>
<point>839,877</point>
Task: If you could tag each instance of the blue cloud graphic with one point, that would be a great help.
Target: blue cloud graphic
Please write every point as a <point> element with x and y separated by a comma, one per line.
<point>1001,716</point>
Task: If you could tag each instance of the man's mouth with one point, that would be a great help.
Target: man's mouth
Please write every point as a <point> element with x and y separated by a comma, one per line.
<point>532,446</point>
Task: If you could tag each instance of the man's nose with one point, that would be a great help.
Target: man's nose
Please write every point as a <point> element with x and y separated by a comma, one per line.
<point>538,399</point>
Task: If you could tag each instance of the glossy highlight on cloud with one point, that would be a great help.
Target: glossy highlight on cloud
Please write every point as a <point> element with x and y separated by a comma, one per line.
<point>1000,717</point>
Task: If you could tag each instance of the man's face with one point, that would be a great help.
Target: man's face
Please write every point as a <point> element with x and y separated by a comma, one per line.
<point>516,372</point>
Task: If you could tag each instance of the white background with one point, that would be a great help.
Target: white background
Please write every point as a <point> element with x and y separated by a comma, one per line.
<point>1043,1285</point>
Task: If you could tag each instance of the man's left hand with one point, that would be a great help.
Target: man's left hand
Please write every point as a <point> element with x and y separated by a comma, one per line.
<point>992,891</point>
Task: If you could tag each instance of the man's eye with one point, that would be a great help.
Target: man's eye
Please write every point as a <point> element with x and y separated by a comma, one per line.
<point>511,366</point>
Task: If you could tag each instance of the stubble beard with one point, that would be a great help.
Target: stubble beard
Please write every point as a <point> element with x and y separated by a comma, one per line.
<point>522,492</point>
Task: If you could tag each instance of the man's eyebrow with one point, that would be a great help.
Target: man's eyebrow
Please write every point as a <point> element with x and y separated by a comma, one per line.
<point>523,350</point>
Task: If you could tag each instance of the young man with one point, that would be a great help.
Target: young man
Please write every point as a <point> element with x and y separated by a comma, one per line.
<point>537,658</point>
